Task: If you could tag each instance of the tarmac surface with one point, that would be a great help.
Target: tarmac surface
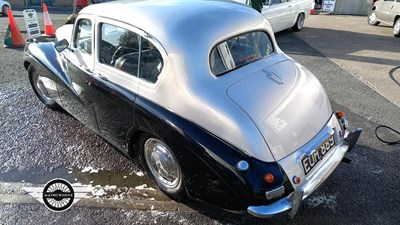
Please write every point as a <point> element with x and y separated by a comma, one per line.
<point>38,144</point>
<point>371,53</point>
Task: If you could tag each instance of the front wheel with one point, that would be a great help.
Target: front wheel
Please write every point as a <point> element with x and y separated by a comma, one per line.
<point>299,22</point>
<point>4,10</point>
<point>161,164</point>
<point>372,18</point>
<point>38,85</point>
<point>396,28</point>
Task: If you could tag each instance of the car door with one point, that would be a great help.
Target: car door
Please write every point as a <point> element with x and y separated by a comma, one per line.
<point>383,13</point>
<point>394,11</point>
<point>279,13</point>
<point>74,90</point>
<point>116,82</point>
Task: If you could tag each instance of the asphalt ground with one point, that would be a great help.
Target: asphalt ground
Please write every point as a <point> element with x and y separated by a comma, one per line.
<point>38,144</point>
<point>371,53</point>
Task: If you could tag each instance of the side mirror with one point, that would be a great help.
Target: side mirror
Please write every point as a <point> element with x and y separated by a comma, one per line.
<point>61,45</point>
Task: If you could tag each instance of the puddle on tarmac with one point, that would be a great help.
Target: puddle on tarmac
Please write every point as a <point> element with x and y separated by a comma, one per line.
<point>106,184</point>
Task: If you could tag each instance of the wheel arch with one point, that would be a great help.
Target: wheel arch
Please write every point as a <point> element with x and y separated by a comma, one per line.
<point>395,19</point>
<point>5,4</point>
<point>133,141</point>
<point>196,150</point>
<point>27,64</point>
<point>295,18</point>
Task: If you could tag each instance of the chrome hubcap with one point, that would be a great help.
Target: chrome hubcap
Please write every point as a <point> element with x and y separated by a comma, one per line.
<point>301,21</point>
<point>372,17</point>
<point>162,163</point>
<point>40,87</point>
<point>397,26</point>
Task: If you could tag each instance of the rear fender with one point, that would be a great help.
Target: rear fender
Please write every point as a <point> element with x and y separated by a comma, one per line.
<point>208,163</point>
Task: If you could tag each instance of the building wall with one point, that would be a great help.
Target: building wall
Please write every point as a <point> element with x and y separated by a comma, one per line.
<point>16,3</point>
<point>352,7</point>
<point>64,3</point>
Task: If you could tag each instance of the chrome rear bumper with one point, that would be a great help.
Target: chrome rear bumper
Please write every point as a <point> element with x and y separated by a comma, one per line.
<point>290,204</point>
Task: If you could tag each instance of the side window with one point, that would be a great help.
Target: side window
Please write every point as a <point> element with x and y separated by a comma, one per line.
<point>83,39</point>
<point>274,2</point>
<point>119,48</point>
<point>151,62</point>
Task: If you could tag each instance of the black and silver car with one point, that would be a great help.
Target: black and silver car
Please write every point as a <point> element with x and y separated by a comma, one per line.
<point>201,92</point>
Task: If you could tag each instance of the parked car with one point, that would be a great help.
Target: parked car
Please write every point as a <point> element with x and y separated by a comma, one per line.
<point>284,14</point>
<point>387,12</point>
<point>202,94</point>
<point>4,6</point>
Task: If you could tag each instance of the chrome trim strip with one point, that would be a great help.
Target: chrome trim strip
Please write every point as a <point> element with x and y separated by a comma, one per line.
<point>275,193</point>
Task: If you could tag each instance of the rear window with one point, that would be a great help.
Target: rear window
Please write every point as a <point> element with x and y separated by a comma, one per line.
<point>239,51</point>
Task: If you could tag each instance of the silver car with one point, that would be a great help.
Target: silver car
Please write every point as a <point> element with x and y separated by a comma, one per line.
<point>387,12</point>
<point>202,94</point>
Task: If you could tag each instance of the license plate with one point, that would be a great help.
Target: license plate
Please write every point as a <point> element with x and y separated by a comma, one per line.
<point>316,156</point>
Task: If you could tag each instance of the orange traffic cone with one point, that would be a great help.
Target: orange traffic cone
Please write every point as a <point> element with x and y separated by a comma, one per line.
<point>48,26</point>
<point>13,38</point>
<point>312,11</point>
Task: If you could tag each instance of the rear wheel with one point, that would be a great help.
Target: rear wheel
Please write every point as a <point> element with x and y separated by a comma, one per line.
<point>299,22</point>
<point>4,10</point>
<point>396,28</point>
<point>161,164</point>
<point>372,18</point>
<point>38,85</point>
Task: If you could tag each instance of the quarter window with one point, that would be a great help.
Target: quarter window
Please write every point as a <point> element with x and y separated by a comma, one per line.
<point>126,50</point>
<point>84,36</point>
<point>151,62</point>
<point>239,51</point>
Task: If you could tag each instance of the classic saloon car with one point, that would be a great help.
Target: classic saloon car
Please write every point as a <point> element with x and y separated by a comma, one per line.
<point>387,12</point>
<point>201,92</point>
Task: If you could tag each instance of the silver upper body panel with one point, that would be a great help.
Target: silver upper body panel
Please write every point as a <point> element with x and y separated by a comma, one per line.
<point>185,33</point>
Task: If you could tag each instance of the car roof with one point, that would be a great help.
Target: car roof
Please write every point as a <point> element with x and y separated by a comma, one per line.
<point>181,24</point>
